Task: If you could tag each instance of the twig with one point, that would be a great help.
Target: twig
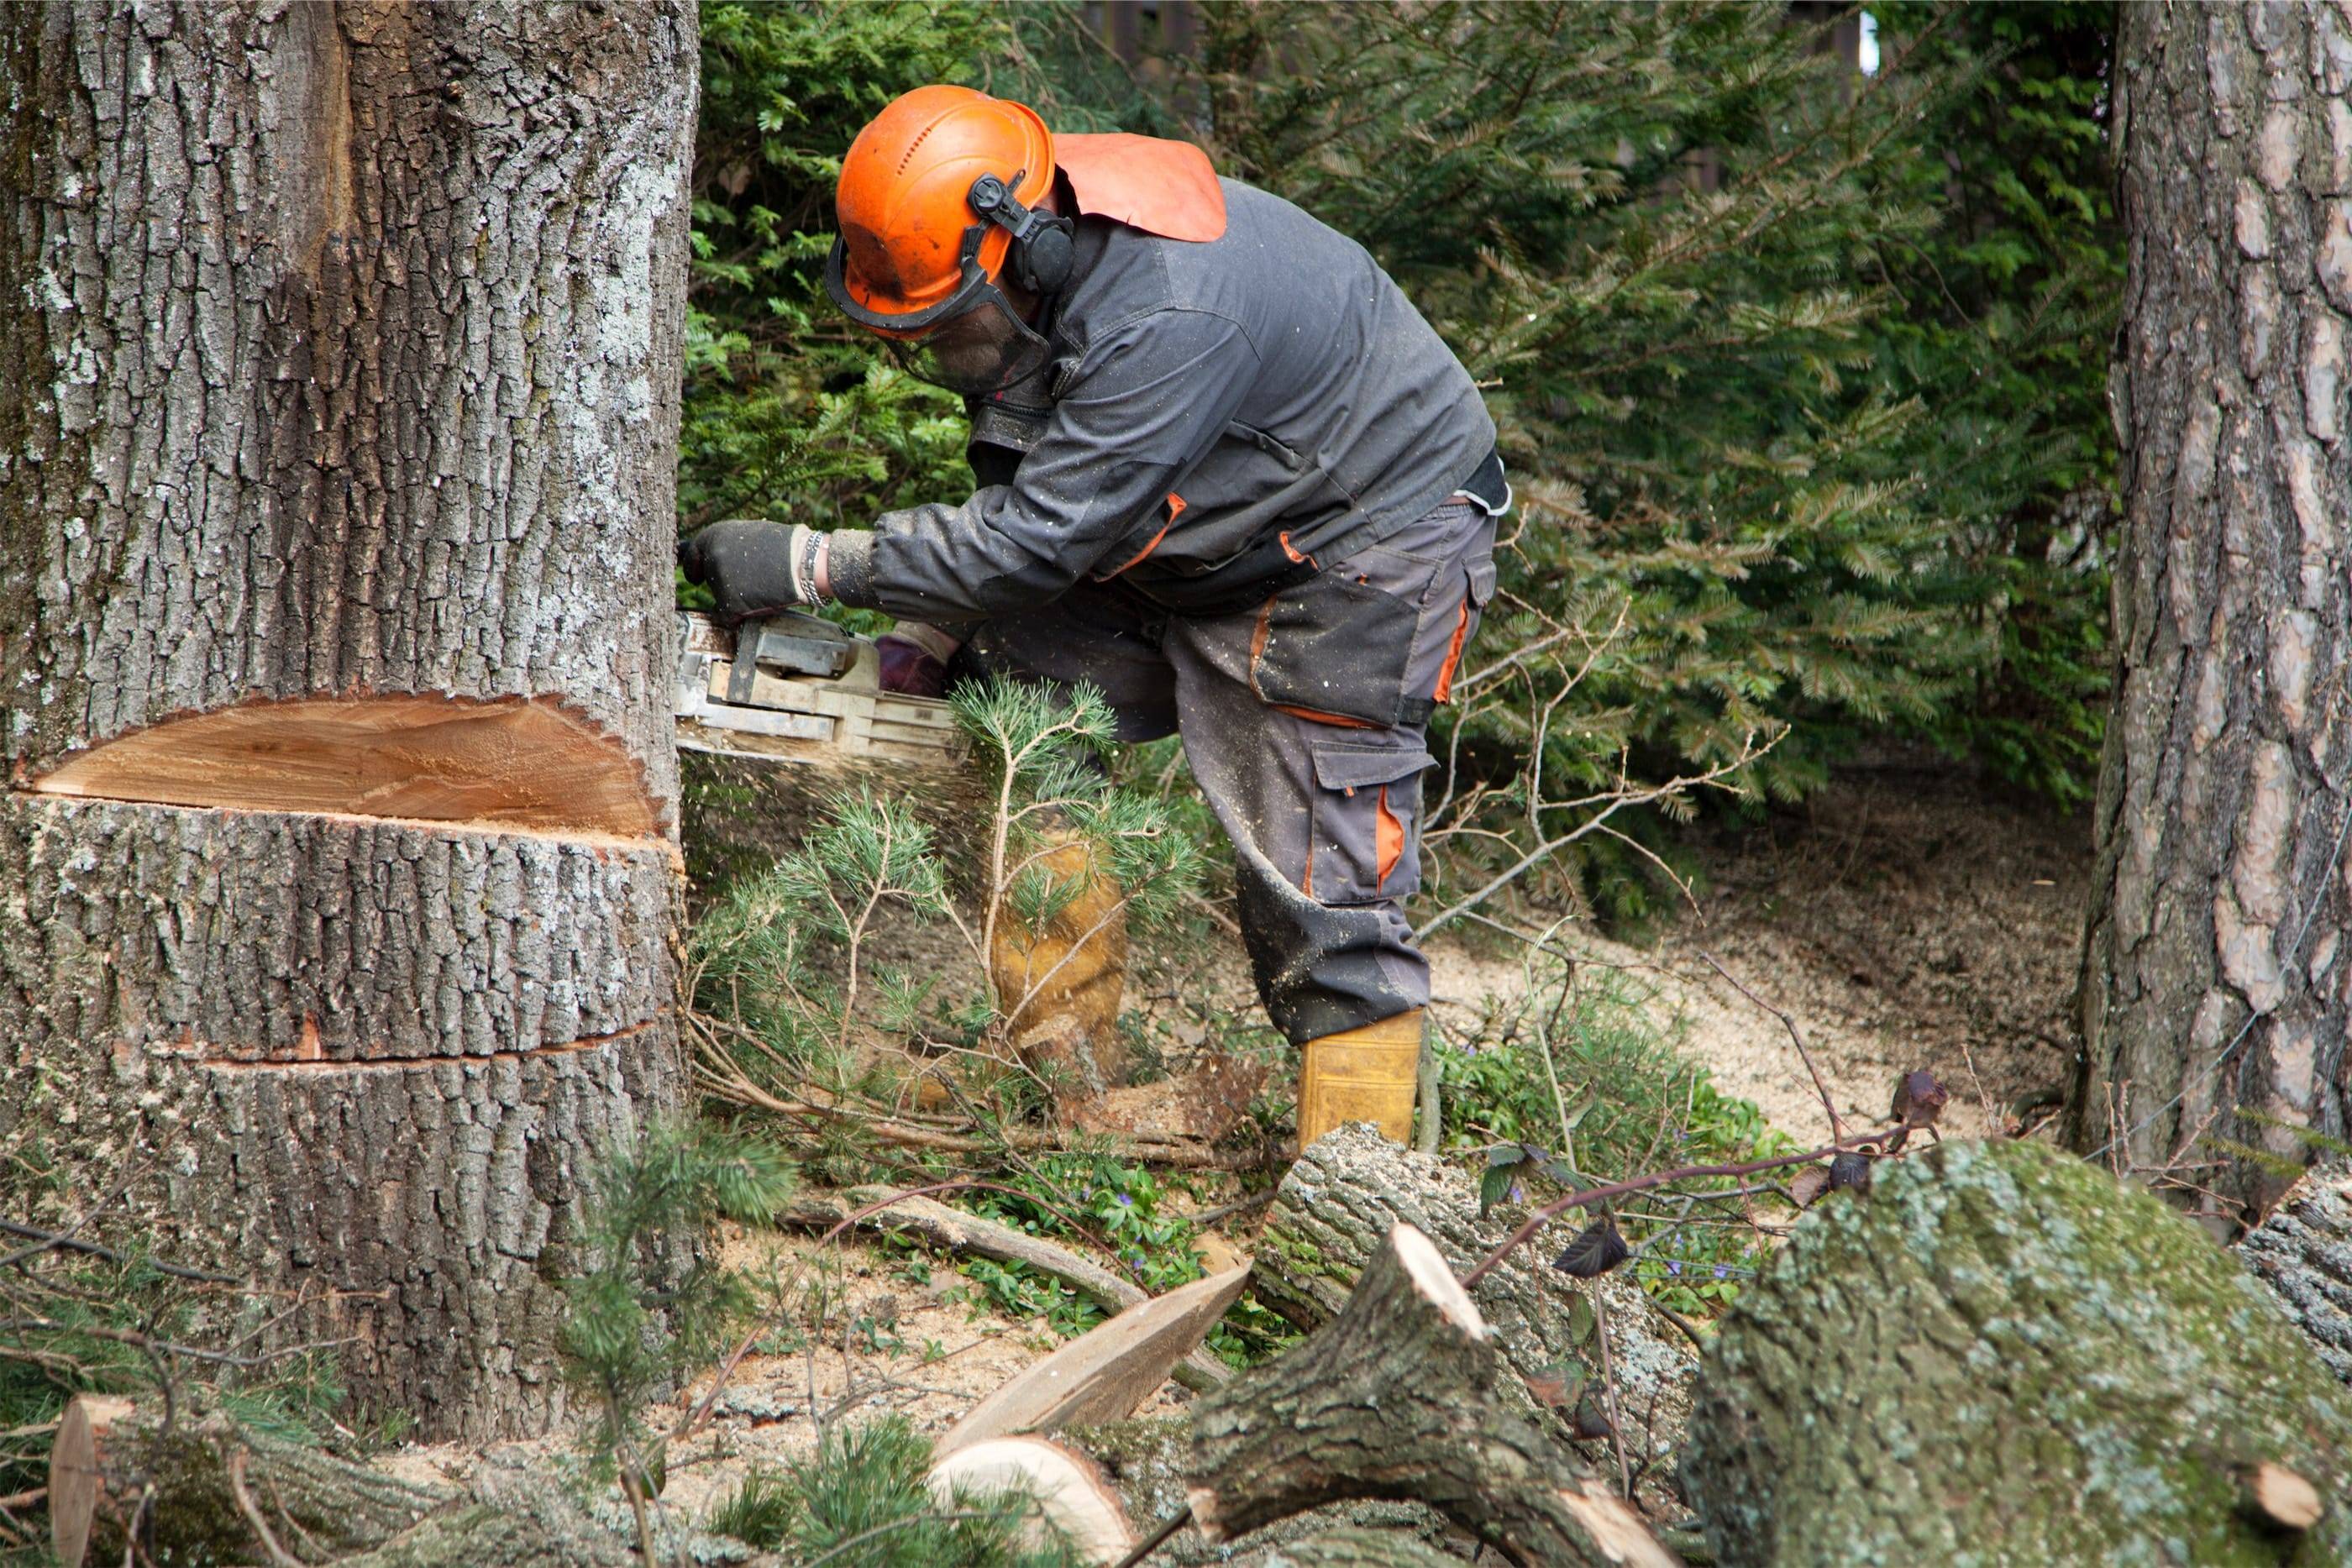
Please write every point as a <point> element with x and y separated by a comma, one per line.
<point>1609,1391</point>
<point>51,1242</point>
<point>279,1556</point>
<point>1836,1132</point>
<point>1661,1178</point>
<point>1158,1538</point>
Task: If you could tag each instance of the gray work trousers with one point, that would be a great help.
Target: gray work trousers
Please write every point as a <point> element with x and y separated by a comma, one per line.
<point>1304,720</point>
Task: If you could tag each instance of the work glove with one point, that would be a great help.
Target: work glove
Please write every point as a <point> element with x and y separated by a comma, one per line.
<point>751,568</point>
<point>914,659</point>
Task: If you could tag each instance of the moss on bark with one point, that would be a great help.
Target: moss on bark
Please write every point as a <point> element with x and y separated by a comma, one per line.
<point>2002,1355</point>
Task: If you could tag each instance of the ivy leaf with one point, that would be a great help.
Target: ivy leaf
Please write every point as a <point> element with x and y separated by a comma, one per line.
<point>1495,1185</point>
<point>1582,1320</point>
<point>1561,1387</point>
<point>1919,1099</point>
<point>1598,1247</point>
<point>1809,1183</point>
<point>1850,1171</point>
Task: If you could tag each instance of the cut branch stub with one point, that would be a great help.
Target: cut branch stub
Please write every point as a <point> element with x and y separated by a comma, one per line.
<point>1398,1398</point>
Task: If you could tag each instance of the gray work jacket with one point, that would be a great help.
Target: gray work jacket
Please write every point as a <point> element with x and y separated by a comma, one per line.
<point>1209,403</point>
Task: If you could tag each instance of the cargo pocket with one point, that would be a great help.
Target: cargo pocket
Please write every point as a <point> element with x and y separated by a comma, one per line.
<point>1363,844</point>
<point>1337,650</point>
<point>1476,593</point>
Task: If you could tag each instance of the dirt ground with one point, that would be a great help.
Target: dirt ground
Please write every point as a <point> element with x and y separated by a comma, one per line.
<point>1907,917</point>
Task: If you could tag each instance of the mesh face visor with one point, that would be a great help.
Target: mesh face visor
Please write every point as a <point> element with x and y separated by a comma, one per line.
<point>972,342</point>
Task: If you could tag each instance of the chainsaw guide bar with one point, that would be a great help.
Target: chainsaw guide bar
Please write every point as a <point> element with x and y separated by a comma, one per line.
<point>811,693</point>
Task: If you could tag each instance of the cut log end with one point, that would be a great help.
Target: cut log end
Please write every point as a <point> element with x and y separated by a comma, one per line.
<point>1426,1267</point>
<point>2283,1498</point>
<point>504,765</point>
<point>1070,1491</point>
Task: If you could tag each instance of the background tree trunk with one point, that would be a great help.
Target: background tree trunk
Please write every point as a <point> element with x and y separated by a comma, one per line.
<point>338,361</point>
<point>2219,896</point>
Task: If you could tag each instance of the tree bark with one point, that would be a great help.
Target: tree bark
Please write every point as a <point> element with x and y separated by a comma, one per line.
<point>1398,1397</point>
<point>339,360</point>
<point>2001,1355</point>
<point>2216,986</point>
<point>1333,1213</point>
<point>203,1489</point>
<point>2303,1256</point>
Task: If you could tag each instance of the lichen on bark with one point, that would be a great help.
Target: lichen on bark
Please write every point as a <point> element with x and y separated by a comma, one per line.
<point>2004,1355</point>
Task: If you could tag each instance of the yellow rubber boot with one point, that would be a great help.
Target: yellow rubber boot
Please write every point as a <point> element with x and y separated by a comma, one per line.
<point>1363,1074</point>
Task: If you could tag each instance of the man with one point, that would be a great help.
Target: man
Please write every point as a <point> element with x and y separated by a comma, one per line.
<point>1227,474</point>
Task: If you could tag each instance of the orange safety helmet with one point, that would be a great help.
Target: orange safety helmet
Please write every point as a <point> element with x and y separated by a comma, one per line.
<point>936,203</point>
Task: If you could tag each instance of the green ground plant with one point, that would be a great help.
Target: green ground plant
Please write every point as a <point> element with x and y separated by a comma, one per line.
<point>654,1304</point>
<point>1576,1073</point>
<point>862,1502</point>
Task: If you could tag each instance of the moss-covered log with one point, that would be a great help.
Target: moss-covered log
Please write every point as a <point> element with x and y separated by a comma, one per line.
<point>1358,1547</point>
<point>1337,1206</point>
<point>2303,1253</point>
<point>198,1487</point>
<point>2002,1356</point>
<point>1398,1397</point>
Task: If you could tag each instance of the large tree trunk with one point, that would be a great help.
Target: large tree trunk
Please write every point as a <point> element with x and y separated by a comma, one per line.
<point>2002,1354</point>
<point>339,363</point>
<point>2215,985</point>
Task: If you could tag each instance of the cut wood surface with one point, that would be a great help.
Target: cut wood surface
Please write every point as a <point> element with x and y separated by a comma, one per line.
<point>2001,1355</point>
<point>1104,1375</point>
<point>957,1230</point>
<point>502,764</point>
<point>1067,1488</point>
<point>1402,1395</point>
<point>1335,1206</point>
<point>2302,1254</point>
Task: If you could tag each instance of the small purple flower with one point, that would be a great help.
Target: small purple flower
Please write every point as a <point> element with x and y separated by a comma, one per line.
<point>1126,1200</point>
<point>1470,1048</point>
<point>1674,1265</point>
<point>1517,1195</point>
<point>1723,1270</point>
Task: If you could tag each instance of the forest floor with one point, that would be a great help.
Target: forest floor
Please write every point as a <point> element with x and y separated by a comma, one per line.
<point>1906,916</point>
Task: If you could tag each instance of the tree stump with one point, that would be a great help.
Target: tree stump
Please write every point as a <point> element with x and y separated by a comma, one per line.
<point>2303,1255</point>
<point>2001,1356</point>
<point>339,369</point>
<point>1398,1397</point>
<point>1334,1210</point>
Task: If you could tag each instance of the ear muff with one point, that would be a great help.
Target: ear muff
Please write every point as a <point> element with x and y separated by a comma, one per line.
<point>1042,251</point>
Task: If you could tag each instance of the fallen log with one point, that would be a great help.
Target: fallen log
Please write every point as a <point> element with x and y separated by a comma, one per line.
<point>1332,1214</point>
<point>2302,1254</point>
<point>2001,1355</point>
<point>1358,1547</point>
<point>1400,1396</point>
<point>202,1488</point>
<point>114,1462</point>
<point>959,1230</point>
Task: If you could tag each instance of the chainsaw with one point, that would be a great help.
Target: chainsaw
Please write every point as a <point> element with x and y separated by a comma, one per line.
<point>795,688</point>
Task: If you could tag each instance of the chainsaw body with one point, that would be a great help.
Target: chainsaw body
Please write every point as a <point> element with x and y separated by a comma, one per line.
<point>797,688</point>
